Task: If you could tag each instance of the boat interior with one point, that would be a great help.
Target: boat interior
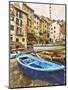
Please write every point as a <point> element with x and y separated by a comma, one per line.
<point>38,62</point>
<point>34,63</point>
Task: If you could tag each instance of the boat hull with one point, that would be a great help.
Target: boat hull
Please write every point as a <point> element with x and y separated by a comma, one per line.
<point>52,47</point>
<point>57,76</point>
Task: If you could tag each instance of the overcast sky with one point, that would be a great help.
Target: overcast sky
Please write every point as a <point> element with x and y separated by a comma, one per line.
<point>58,11</point>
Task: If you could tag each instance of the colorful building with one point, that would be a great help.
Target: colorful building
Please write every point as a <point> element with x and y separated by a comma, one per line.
<point>18,24</point>
<point>54,32</point>
<point>44,25</point>
<point>36,24</point>
<point>25,25</point>
<point>62,30</point>
<point>30,13</point>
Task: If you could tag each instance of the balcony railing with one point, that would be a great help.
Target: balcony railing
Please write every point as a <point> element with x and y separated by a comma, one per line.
<point>19,34</point>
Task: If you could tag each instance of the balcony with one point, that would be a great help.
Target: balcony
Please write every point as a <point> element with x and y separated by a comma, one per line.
<point>19,34</point>
<point>19,31</point>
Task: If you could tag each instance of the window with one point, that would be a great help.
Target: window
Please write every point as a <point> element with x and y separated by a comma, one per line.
<point>20,14</point>
<point>20,22</point>
<point>11,12</point>
<point>54,31</point>
<point>18,31</point>
<point>54,27</point>
<point>17,40</point>
<point>17,21</point>
<point>30,17</point>
<point>51,28</point>
<point>11,27</point>
<point>11,38</point>
<point>30,22</point>
<point>23,39</point>
<point>17,13</point>
<point>48,35</point>
<point>11,18</point>
<point>50,39</point>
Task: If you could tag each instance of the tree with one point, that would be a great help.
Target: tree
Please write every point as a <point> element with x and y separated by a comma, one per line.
<point>31,37</point>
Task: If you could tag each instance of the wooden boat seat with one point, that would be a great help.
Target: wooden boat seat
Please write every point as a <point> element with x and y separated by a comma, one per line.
<point>31,62</point>
<point>27,61</point>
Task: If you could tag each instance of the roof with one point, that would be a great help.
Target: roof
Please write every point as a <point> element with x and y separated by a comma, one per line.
<point>28,6</point>
<point>17,7</point>
<point>48,20</point>
<point>36,15</point>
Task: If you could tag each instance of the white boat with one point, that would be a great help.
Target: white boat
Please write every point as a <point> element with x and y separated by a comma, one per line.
<point>37,47</point>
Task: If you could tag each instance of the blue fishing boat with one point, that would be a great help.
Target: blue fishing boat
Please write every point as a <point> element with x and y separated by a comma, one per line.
<point>40,68</point>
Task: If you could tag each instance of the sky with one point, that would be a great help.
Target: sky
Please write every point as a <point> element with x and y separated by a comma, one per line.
<point>57,11</point>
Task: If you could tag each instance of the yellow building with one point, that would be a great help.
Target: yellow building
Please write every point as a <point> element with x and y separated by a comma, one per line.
<point>36,24</point>
<point>44,29</point>
<point>43,25</point>
<point>18,24</point>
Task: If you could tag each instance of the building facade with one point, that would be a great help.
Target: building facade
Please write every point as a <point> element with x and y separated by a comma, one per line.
<point>42,24</point>
<point>62,30</point>
<point>25,25</point>
<point>18,24</point>
<point>54,32</point>
<point>44,29</point>
<point>30,13</point>
<point>36,24</point>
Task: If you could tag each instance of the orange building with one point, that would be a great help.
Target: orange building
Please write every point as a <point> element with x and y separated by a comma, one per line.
<point>18,24</point>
